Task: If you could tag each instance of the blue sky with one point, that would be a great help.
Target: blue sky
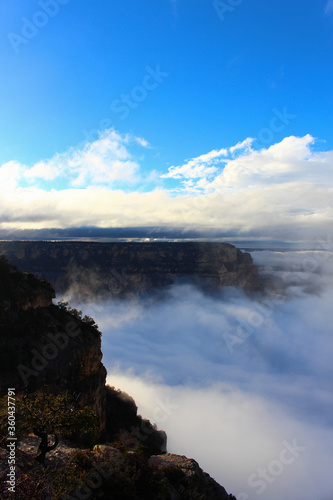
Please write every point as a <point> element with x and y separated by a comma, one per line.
<point>173,80</point>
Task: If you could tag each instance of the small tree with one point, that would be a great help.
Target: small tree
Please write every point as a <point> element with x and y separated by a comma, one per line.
<point>51,415</point>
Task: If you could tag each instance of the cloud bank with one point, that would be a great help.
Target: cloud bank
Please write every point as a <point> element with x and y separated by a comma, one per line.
<point>281,192</point>
<point>236,381</point>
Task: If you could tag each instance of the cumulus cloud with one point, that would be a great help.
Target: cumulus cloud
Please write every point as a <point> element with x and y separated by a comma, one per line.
<point>42,170</point>
<point>282,192</point>
<point>101,162</point>
<point>10,173</point>
<point>233,378</point>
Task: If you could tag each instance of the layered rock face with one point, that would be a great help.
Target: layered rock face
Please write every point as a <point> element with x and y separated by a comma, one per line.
<point>122,268</point>
<point>44,346</point>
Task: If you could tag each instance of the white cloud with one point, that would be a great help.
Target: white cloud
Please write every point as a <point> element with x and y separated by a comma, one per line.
<point>197,167</point>
<point>207,164</point>
<point>10,174</point>
<point>46,171</point>
<point>283,192</point>
<point>142,142</point>
<point>244,145</point>
<point>281,163</point>
<point>102,162</point>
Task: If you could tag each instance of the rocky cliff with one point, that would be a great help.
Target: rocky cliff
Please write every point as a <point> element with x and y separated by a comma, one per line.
<point>122,268</point>
<point>43,345</point>
<point>52,347</point>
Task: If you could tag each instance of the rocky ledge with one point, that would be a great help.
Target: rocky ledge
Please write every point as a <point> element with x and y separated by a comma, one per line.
<point>111,473</point>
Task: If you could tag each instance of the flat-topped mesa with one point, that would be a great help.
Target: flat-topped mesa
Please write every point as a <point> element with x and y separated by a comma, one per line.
<point>124,267</point>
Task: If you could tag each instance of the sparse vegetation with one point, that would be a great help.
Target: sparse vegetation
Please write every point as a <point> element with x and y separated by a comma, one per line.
<point>49,415</point>
<point>64,306</point>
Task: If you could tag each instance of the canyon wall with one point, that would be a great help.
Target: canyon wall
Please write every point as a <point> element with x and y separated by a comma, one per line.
<point>121,268</point>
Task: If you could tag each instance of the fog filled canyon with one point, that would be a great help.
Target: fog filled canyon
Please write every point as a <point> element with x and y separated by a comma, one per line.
<point>241,382</point>
<point>240,378</point>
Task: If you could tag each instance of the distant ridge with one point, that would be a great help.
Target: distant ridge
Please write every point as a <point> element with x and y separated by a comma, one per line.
<point>128,267</point>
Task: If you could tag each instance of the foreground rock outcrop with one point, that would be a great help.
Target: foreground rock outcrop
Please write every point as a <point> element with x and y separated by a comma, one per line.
<point>49,347</point>
<point>43,345</point>
<point>108,472</point>
<point>191,470</point>
<point>113,269</point>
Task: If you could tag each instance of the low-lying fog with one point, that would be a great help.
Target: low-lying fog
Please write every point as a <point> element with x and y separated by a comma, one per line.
<point>242,384</point>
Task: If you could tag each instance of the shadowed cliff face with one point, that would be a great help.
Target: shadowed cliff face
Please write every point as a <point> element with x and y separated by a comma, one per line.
<point>22,290</point>
<point>123,268</point>
<point>42,345</point>
<point>47,346</point>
